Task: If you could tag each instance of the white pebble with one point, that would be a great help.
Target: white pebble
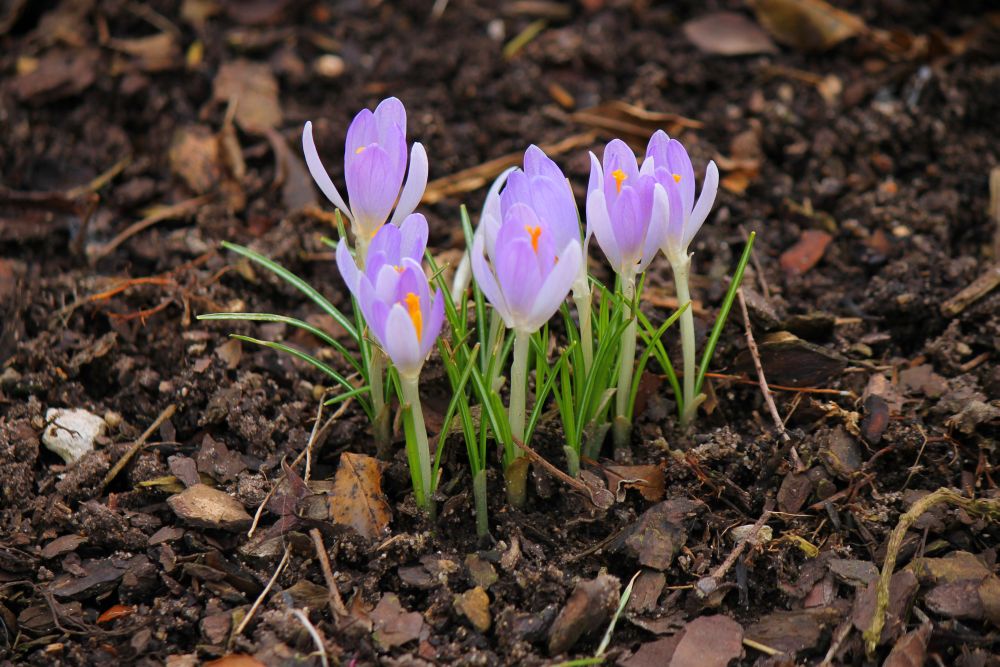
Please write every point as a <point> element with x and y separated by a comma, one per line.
<point>71,433</point>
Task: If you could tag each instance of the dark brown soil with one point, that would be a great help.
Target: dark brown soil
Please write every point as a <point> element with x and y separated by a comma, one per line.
<point>884,144</point>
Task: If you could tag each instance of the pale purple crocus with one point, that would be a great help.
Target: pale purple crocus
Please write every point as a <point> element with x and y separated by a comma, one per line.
<point>673,170</point>
<point>626,209</point>
<point>394,295</point>
<point>530,275</point>
<point>374,167</point>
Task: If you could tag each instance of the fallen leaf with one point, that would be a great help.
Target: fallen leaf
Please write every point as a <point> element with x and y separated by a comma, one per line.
<point>194,157</point>
<point>648,480</point>
<point>589,607</point>
<point>660,532</point>
<point>807,25</point>
<point>230,352</point>
<point>62,545</point>
<point>793,631</point>
<point>116,611</point>
<point>357,500</point>
<point>58,74</point>
<point>154,53</point>
<point>728,34</point>
<point>956,566</point>
<point>297,189</point>
<point>653,654</point>
<point>646,591</point>
<point>902,588</point>
<point>806,252</point>
<point>205,507</point>
<point>989,596</point>
<point>255,91</point>
<point>236,660</point>
<point>959,599</point>
<point>709,641</point>
<point>788,360</point>
<point>911,649</point>
<point>394,626</point>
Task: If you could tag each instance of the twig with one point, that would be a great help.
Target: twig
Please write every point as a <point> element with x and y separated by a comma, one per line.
<point>312,437</point>
<point>167,413</point>
<point>988,507</point>
<point>166,213</point>
<point>843,630</point>
<point>763,648</point>
<point>260,598</point>
<point>752,346</point>
<point>601,500</point>
<point>707,585</point>
<point>336,602</point>
<point>260,509</point>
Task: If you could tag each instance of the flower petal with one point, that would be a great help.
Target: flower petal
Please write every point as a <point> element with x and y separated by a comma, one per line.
<point>386,242</point>
<point>657,148</point>
<point>680,164</point>
<point>537,163</point>
<point>361,133</point>
<point>372,309</point>
<point>629,228</point>
<point>372,188</point>
<point>599,223</point>
<point>555,206</point>
<point>673,240</point>
<point>416,183</point>
<point>553,291</point>
<point>413,237</point>
<point>705,201</point>
<point>518,275</point>
<point>487,281</point>
<point>348,269</point>
<point>618,157</point>
<point>433,323</point>
<point>401,342</point>
<point>658,221</point>
<point>319,172</point>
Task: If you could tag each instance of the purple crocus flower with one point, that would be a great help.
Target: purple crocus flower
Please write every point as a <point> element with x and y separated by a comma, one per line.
<point>530,275</point>
<point>374,166</point>
<point>626,209</point>
<point>394,294</point>
<point>672,169</point>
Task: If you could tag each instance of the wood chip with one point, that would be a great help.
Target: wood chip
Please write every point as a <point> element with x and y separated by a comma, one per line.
<point>205,507</point>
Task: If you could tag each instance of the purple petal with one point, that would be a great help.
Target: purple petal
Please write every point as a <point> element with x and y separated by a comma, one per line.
<point>704,206</point>
<point>401,343</point>
<point>673,243</point>
<point>516,191</point>
<point>372,187</point>
<point>319,172</point>
<point>599,223</point>
<point>373,310</point>
<point>680,164</point>
<point>412,280</point>
<point>433,323</point>
<point>487,280</point>
<point>555,206</point>
<point>416,183</point>
<point>348,269</point>
<point>618,156</point>
<point>386,242</point>
<point>657,232</point>
<point>360,133</point>
<point>518,274</point>
<point>413,237</point>
<point>390,113</point>
<point>553,291</point>
<point>629,228</point>
<point>657,148</point>
<point>537,163</point>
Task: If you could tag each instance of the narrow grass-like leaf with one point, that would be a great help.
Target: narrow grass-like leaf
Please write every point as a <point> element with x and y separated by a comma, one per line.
<point>339,398</point>
<point>308,358</point>
<point>541,394</point>
<point>626,594</point>
<point>296,282</point>
<point>720,321</point>
<point>459,400</point>
<point>651,341</point>
<point>660,353</point>
<point>291,321</point>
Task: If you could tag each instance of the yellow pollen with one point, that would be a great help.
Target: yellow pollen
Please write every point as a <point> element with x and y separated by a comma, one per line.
<point>677,178</point>
<point>359,150</point>
<point>398,268</point>
<point>413,307</point>
<point>619,176</point>
<point>534,233</point>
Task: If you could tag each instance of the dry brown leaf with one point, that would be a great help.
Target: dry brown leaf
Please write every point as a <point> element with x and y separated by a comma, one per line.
<point>728,34</point>
<point>709,641</point>
<point>154,53</point>
<point>236,660</point>
<point>806,253</point>
<point>394,626</point>
<point>646,479</point>
<point>630,121</point>
<point>807,25</point>
<point>58,74</point>
<point>911,649</point>
<point>255,91</point>
<point>297,189</point>
<point>194,156</point>
<point>357,500</point>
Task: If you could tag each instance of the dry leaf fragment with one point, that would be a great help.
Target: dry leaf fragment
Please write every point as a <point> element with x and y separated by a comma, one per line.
<point>728,34</point>
<point>58,74</point>
<point>646,479</point>
<point>911,649</point>
<point>236,660</point>
<point>806,253</point>
<point>116,611</point>
<point>255,90</point>
<point>394,626</point>
<point>474,604</point>
<point>154,53</point>
<point>807,25</point>
<point>194,157</point>
<point>357,500</point>
<point>709,641</point>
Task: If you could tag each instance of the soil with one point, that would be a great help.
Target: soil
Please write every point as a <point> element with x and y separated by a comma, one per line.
<point>864,168</point>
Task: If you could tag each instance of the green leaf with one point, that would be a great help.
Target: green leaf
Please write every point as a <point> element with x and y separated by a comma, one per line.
<point>651,341</point>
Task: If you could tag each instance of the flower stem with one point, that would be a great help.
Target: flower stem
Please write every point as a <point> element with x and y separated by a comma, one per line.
<point>518,387</point>
<point>422,480</point>
<point>682,274</point>
<point>479,499</point>
<point>380,427</point>
<point>622,427</point>
<point>583,309</point>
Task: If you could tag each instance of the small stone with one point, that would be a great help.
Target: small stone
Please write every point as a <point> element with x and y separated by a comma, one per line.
<point>841,453</point>
<point>741,533</point>
<point>71,433</point>
<point>329,66</point>
<point>205,507</point>
<point>474,604</point>
<point>858,573</point>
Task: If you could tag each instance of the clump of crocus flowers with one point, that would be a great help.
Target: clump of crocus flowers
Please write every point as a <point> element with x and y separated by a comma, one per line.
<point>527,255</point>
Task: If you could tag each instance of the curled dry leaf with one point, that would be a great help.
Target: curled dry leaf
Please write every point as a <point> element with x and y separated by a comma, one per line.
<point>728,34</point>
<point>236,660</point>
<point>357,499</point>
<point>646,479</point>
<point>255,91</point>
<point>807,25</point>
<point>806,253</point>
<point>394,626</point>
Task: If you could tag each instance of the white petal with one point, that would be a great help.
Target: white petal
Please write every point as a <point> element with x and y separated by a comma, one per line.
<point>704,205</point>
<point>556,287</point>
<point>319,172</point>
<point>657,232</point>
<point>401,342</point>
<point>416,183</point>
<point>599,222</point>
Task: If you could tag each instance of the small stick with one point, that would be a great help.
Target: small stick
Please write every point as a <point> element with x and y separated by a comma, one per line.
<point>573,483</point>
<point>752,346</point>
<point>763,648</point>
<point>177,210</point>
<point>314,633</point>
<point>843,630</point>
<point>312,437</point>
<point>336,602</point>
<point>707,585</point>
<point>260,598</point>
<point>167,413</point>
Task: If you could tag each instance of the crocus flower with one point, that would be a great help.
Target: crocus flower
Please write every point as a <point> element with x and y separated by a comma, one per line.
<point>672,169</point>
<point>374,166</point>
<point>626,209</point>
<point>394,295</point>
<point>530,275</point>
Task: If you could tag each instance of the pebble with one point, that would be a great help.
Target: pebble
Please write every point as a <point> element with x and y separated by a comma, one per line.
<point>71,433</point>
<point>207,507</point>
<point>329,66</point>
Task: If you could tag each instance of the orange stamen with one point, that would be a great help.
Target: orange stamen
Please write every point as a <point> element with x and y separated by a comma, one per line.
<point>398,268</point>
<point>619,176</point>
<point>413,307</point>
<point>359,149</point>
<point>534,233</point>
<point>677,178</point>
